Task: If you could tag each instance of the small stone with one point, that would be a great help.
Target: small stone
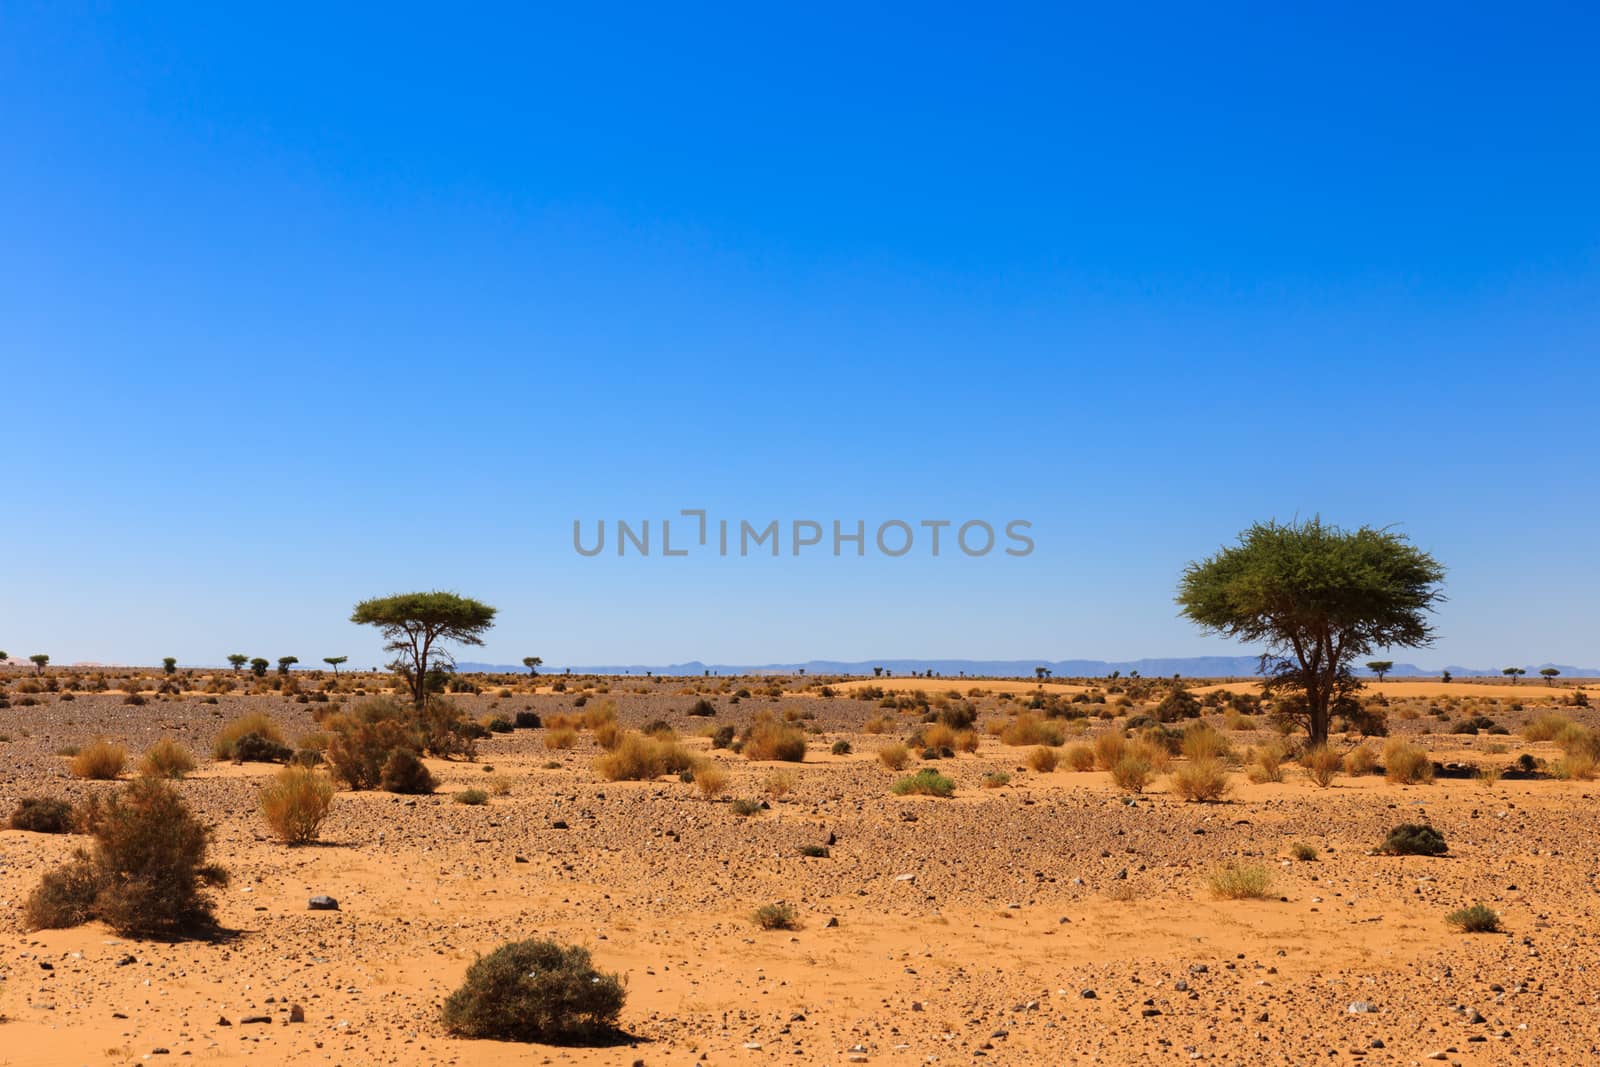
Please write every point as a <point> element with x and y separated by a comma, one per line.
<point>297,1014</point>
<point>1087,994</point>
<point>322,903</point>
<point>1360,1007</point>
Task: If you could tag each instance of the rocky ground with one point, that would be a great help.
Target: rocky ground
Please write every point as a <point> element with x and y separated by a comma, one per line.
<point>1054,919</point>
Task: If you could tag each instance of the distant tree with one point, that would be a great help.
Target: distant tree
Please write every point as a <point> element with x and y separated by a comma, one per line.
<point>1514,673</point>
<point>1550,675</point>
<point>533,663</point>
<point>258,667</point>
<point>877,672</point>
<point>238,659</point>
<point>1041,673</point>
<point>334,661</point>
<point>169,664</point>
<point>285,662</point>
<point>1317,596</point>
<point>1444,676</point>
<point>415,625</point>
<point>1380,667</point>
<point>1114,675</point>
<point>40,662</point>
<point>5,657</point>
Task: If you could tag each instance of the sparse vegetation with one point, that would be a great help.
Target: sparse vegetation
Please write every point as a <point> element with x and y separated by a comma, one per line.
<point>535,991</point>
<point>1475,919</point>
<point>1406,763</point>
<point>1240,881</point>
<point>42,815</point>
<point>101,761</point>
<point>925,782</point>
<point>778,916</point>
<point>295,803</point>
<point>1203,779</point>
<point>166,759</point>
<point>1414,839</point>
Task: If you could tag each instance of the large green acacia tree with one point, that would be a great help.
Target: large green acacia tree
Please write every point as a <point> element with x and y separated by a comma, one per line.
<point>1317,596</point>
<point>415,627</point>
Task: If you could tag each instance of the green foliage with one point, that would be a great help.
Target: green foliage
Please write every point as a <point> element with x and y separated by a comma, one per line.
<point>776,917</point>
<point>472,797</point>
<point>1317,597</point>
<point>1179,703</point>
<point>258,667</point>
<point>1477,919</point>
<point>414,625</point>
<point>1414,839</point>
<point>285,662</point>
<point>926,782</point>
<point>238,660</point>
<point>535,991</point>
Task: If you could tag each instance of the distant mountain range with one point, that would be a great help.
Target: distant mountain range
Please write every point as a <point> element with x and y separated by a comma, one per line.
<point>1190,667</point>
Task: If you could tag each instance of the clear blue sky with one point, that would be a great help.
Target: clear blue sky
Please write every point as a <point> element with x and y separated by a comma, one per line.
<point>302,305</point>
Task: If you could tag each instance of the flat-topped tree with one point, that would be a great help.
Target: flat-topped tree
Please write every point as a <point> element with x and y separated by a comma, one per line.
<point>1513,673</point>
<point>415,626</point>
<point>1380,667</point>
<point>1550,674</point>
<point>40,662</point>
<point>334,661</point>
<point>533,663</point>
<point>1317,596</point>
<point>169,665</point>
<point>285,662</point>
<point>258,667</point>
<point>238,659</point>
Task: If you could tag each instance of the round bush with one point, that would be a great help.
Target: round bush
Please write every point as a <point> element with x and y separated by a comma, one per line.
<point>1414,839</point>
<point>535,991</point>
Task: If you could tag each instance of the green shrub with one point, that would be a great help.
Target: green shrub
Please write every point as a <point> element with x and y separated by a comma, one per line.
<point>840,748</point>
<point>926,782</point>
<point>535,991</point>
<point>1477,919</point>
<point>746,807</point>
<point>1303,852</point>
<point>776,917</point>
<point>471,797</point>
<point>1414,839</point>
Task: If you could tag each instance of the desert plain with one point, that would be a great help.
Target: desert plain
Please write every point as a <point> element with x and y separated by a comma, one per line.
<point>1034,916</point>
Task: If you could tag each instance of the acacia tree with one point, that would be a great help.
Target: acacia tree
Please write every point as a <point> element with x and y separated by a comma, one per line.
<point>169,664</point>
<point>1380,667</point>
<point>1550,674</point>
<point>238,659</point>
<point>533,663</point>
<point>40,662</point>
<point>1514,673</point>
<point>258,667</point>
<point>1317,596</point>
<point>1041,673</point>
<point>415,625</point>
<point>285,662</point>
<point>334,661</point>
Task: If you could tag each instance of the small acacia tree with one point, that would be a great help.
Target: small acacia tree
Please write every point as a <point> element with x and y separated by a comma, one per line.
<point>334,661</point>
<point>533,663</point>
<point>415,626</point>
<point>40,662</point>
<point>1514,673</point>
<point>1380,667</point>
<point>1317,596</point>
<point>258,667</point>
<point>169,664</point>
<point>238,660</point>
<point>1550,674</point>
<point>285,662</point>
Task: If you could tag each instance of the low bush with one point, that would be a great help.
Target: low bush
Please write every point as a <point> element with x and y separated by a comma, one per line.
<point>101,761</point>
<point>925,783</point>
<point>42,815</point>
<point>1406,764</point>
<point>472,797</point>
<point>995,779</point>
<point>1109,749</point>
<point>526,720</point>
<point>404,772</point>
<point>1203,780</point>
<point>768,739</point>
<point>1477,919</point>
<point>1029,729</point>
<point>776,917</point>
<point>1546,727</point>
<point>1131,773</point>
<point>295,803</point>
<point>1240,881</point>
<point>637,757</point>
<point>1303,852</point>
<point>702,708</point>
<point>1321,764</point>
<point>1079,757</point>
<point>535,991</point>
<point>258,723</point>
<point>746,807</point>
<point>1414,839</point>
<point>1362,759</point>
<point>1200,742</point>
<point>1043,759</point>
<point>840,748</point>
<point>560,737</point>
<point>711,780</point>
<point>1265,763</point>
<point>895,756</point>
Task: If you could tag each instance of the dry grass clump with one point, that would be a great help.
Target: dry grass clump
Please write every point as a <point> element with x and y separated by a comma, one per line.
<point>937,735</point>
<point>1202,742</point>
<point>768,739</point>
<point>595,717</point>
<point>256,722</point>
<point>1240,881</point>
<point>1477,919</point>
<point>1264,763</point>
<point>559,737</point>
<point>1043,759</point>
<point>1576,766</point>
<point>42,815</point>
<point>1406,763</point>
<point>778,783</point>
<point>711,780</point>
<point>995,780</point>
<point>1363,759</point>
<point>926,782</point>
<point>101,761</point>
<point>1080,757</point>
<point>1545,727</point>
<point>1321,764</point>
<point>1109,749</point>
<point>404,772</point>
<point>1204,779</point>
<point>535,991</point>
<point>1132,772</point>
<point>776,917</point>
<point>637,757</point>
<point>877,725</point>
<point>166,759</point>
<point>499,785</point>
<point>607,734</point>
<point>295,803</point>
<point>895,756</point>
<point>1028,729</point>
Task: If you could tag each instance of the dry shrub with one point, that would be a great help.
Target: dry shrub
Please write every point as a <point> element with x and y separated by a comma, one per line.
<point>535,991</point>
<point>1236,720</point>
<point>166,759</point>
<point>146,875</point>
<point>1080,757</point>
<point>1151,748</point>
<point>1487,774</point>
<point>895,756</point>
<point>42,815</point>
<point>778,783</point>
<point>560,737</point>
<point>938,735</point>
<point>1131,773</point>
<point>1028,729</point>
<point>608,735</point>
<point>101,761</point>
<point>256,722</point>
<point>1108,749</point>
<point>1043,759</point>
<point>1546,727</point>
<point>597,716</point>
<point>768,739</point>
<point>877,725</point>
<point>1406,763</point>
<point>711,780</point>
<point>1265,763</point>
<point>1575,766</point>
<point>404,772</point>
<point>1363,759</point>
<point>1240,881</point>
<point>295,802</point>
<point>499,785</point>
<point>1575,740</point>
<point>776,917</point>
<point>1321,764</point>
<point>637,757</point>
<point>1201,742</point>
<point>363,741</point>
<point>1203,779</point>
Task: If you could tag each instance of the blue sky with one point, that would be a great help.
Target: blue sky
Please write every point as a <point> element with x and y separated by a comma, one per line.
<point>300,306</point>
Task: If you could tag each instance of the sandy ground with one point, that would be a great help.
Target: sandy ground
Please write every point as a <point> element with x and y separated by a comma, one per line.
<point>936,931</point>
